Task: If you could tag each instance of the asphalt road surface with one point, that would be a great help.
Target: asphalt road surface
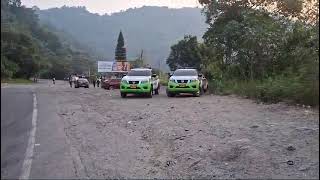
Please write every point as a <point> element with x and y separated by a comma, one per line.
<point>16,115</point>
<point>94,133</point>
<point>51,156</point>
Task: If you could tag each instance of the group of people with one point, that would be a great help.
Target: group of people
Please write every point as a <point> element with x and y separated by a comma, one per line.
<point>96,80</point>
<point>72,79</point>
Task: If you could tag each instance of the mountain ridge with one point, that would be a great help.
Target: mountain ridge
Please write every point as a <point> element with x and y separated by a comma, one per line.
<point>153,29</point>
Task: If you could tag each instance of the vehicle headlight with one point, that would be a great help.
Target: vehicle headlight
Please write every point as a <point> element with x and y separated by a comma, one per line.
<point>193,80</point>
<point>143,82</point>
<point>172,80</point>
<point>124,81</point>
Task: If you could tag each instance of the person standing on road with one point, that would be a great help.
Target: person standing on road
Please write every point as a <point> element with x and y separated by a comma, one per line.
<point>93,80</point>
<point>98,82</point>
<point>54,80</point>
<point>70,80</point>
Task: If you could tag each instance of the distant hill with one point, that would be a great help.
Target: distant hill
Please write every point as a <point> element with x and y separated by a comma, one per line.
<point>153,29</point>
<point>30,49</point>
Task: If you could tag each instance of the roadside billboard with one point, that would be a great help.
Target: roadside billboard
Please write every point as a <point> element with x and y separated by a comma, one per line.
<point>121,66</point>
<point>105,66</point>
<point>110,66</point>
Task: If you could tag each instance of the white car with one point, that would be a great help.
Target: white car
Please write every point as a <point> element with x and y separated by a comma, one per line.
<point>139,81</point>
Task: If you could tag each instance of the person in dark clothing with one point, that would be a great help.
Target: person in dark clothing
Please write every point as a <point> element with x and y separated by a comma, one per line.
<point>93,80</point>
<point>98,82</point>
<point>70,81</point>
<point>94,83</point>
<point>54,80</point>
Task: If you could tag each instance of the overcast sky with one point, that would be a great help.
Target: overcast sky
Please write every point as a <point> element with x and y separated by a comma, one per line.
<point>110,6</point>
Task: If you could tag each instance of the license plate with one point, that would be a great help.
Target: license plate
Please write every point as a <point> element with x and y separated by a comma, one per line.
<point>133,86</point>
<point>182,85</point>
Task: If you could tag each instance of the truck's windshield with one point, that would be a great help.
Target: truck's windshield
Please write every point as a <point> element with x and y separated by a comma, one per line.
<point>185,72</point>
<point>139,73</point>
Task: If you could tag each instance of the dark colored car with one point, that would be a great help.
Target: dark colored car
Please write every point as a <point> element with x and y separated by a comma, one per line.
<point>82,82</point>
<point>112,83</point>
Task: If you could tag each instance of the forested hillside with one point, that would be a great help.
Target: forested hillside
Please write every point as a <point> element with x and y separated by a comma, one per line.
<point>255,52</point>
<point>153,29</point>
<point>29,49</point>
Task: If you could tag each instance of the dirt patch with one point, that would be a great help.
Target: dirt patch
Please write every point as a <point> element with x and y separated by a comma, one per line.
<point>188,137</point>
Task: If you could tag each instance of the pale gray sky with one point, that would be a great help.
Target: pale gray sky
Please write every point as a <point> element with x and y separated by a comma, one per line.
<point>110,6</point>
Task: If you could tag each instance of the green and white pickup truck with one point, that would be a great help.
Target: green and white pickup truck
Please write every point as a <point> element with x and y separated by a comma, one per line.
<point>186,81</point>
<point>139,81</point>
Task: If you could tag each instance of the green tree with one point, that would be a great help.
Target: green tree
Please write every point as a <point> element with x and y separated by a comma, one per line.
<point>120,53</point>
<point>29,49</point>
<point>8,68</point>
<point>185,54</point>
<point>139,62</point>
<point>261,53</point>
<point>304,10</point>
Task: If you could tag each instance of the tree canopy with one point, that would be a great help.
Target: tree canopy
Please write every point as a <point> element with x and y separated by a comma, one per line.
<point>275,49</point>
<point>30,49</point>
<point>185,54</point>
<point>120,53</point>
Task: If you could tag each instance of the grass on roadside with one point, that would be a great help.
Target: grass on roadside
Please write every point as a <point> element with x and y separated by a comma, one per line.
<point>16,81</point>
<point>272,90</point>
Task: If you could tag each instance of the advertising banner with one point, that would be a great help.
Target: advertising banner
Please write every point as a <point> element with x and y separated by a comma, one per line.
<point>121,66</point>
<point>105,66</point>
<point>110,66</point>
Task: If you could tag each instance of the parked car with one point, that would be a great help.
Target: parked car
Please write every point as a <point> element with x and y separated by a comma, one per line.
<point>139,81</point>
<point>187,81</point>
<point>81,82</point>
<point>111,83</point>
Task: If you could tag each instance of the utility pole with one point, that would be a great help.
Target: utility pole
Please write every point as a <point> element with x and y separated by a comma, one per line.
<point>159,68</point>
<point>141,54</point>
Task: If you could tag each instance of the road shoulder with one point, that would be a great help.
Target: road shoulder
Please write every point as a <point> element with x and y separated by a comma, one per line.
<point>52,158</point>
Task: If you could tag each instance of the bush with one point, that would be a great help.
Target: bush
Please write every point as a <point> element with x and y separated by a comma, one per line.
<point>8,68</point>
<point>293,89</point>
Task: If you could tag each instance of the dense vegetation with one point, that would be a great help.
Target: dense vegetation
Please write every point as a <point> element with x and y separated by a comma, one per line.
<point>29,49</point>
<point>152,29</point>
<point>250,51</point>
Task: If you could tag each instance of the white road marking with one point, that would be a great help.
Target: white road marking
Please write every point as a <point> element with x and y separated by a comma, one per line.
<point>26,167</point>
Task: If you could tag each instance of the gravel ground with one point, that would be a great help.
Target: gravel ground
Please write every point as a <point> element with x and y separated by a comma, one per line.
<point>186,137</point>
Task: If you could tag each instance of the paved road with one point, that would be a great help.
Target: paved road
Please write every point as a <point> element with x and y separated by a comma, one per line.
<point>51,154</point>
<point>16,114</point>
